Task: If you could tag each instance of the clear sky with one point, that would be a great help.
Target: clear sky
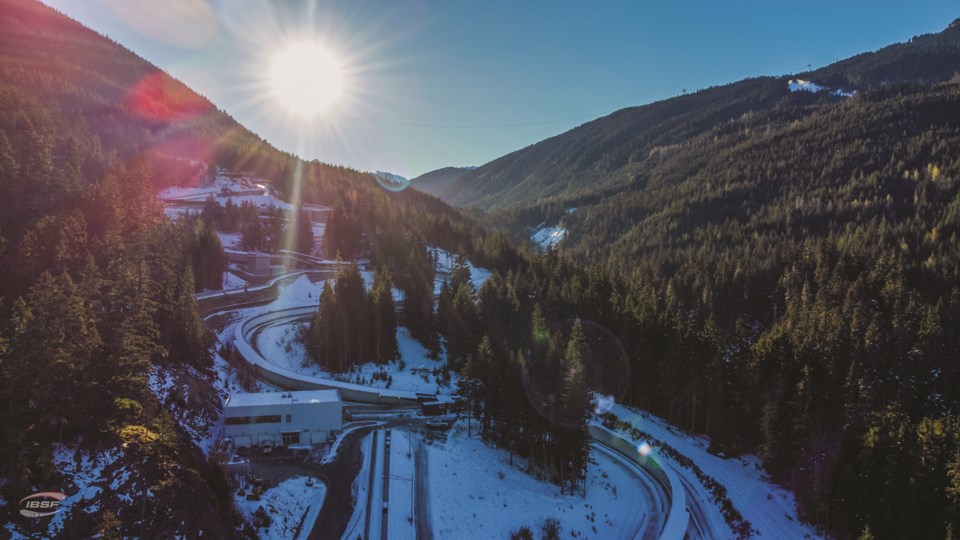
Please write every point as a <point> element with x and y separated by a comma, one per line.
<point>433,84</point>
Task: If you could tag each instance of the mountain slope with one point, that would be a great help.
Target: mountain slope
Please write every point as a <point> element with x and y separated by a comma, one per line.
<point>97,298</point>
<point>617,150</point>
<point>433,182</point>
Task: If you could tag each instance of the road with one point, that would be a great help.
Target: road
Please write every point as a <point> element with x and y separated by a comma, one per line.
<point>339,475</point>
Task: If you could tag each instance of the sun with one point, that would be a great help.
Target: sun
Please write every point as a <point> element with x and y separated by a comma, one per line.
<point>306,78</point>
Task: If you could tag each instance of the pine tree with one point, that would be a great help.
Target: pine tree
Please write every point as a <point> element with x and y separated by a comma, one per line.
<point>304,231</point>
<point>385,317</point>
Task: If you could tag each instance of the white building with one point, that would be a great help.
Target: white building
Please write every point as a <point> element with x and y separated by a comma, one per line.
<point>283,418</point>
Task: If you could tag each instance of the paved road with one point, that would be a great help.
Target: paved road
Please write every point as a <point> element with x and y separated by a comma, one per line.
<point>338,475</point>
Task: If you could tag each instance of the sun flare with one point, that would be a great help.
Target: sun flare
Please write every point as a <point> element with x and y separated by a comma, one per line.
<point>306,78</point>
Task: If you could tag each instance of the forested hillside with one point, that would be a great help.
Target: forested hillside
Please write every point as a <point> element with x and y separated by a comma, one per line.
<point>778,270</point>
<point>434,182</point>
<point>782,269</point>
<point>98,285</point>
<point>623,152</point>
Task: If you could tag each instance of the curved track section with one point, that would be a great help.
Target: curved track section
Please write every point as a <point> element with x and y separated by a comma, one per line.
<point>678,522</point>
<point>291,380</point>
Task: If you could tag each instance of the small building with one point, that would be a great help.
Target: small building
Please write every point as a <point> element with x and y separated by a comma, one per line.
<point>282,418</point>
<point>435,408</point>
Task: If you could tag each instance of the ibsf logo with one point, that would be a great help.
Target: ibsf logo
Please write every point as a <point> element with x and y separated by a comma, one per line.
<point>42,504</point>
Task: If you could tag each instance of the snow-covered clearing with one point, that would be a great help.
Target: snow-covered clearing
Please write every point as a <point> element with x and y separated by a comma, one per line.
<point>547,237</point>
<point>286,504</point>
<point>229,240</point>
<point>445,261</point>
<point>475,493</point>
<point>280,345</point>
<point>770,509</point>
<point>800,85</point>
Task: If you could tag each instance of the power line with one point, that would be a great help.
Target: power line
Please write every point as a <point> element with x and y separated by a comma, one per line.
<point>480,126</point>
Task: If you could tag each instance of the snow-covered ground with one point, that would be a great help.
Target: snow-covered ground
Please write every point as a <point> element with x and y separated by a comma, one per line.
<point>800,85</point>
<point>280,345</point>
<point>547,237</point>
<point>400,515</point>
<point>231,281</point>
<point>90,474</point>
<point>445,261</point>
<point>229,240</point>
<point>286,504</point>
<point>475,493</point>
<point>770,509</point>
<point>239,190</point>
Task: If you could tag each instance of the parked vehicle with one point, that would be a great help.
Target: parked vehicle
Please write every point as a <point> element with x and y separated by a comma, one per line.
<point>438,424</point>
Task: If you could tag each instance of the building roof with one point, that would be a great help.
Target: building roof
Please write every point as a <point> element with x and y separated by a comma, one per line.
<point>282,398</point>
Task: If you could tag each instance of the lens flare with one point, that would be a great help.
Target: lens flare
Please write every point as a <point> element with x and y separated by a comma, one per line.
<point>644,449</point>
<point>606,372</point>
<point>603,404</point>
<point>391,182</point>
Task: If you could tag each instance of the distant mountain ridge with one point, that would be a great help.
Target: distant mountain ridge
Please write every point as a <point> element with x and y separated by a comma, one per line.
<point>619,149</point>
<point>434,182</point>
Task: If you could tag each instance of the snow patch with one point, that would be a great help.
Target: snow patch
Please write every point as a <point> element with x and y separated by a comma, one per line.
<point>547,237</point>
<point>800,85</point>
<point>445,261</point>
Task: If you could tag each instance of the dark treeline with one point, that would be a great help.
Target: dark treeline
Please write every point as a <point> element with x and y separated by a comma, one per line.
<point>269,230</point>
<point>353,326</point>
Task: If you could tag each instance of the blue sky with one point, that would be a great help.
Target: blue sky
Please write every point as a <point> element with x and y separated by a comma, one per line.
<point>461,83</point>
